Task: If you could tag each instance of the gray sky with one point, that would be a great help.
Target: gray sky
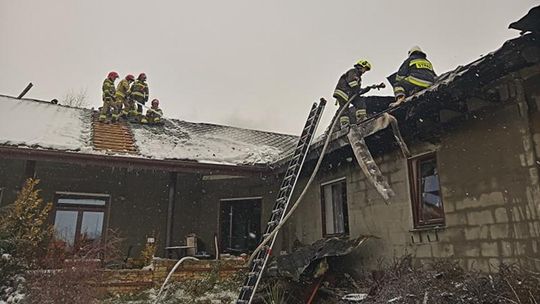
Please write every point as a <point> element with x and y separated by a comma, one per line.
<point>247,63</point>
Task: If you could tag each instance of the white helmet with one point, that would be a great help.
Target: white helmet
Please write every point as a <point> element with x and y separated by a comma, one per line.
<point>415,48</point>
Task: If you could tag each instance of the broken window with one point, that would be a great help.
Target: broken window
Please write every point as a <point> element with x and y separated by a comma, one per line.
<point>240,225</point>
<point>334,208</point>
<point>426,193</point>
<point>79,220</point>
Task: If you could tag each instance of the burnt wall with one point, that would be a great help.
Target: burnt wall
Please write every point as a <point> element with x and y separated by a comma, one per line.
<point>489,178</point>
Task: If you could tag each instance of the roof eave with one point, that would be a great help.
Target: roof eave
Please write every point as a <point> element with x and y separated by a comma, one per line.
<point>130,162</point>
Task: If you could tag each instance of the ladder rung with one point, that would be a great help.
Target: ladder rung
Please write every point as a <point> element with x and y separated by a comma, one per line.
<point>247,288</point>
<point>253,273</point>
<point>242,301</point>
<point>272,223</point>
<point>277,211</point>
<point>257,261</point>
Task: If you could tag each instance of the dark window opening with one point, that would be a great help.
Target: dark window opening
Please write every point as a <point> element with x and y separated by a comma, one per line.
<point>240,225</point>
<point>335,219</point>
<point>79,221</point>
<point>426,196</point>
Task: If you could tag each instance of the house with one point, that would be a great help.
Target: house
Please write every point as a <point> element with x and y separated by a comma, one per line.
<point>470,191</point>
<point>147,182</point>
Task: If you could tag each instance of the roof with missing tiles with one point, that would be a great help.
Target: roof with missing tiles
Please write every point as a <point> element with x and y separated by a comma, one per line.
<point>40,125</point>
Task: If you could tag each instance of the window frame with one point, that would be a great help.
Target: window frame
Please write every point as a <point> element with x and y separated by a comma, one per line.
<point>345,208</point>
<point>220,220</point>
<point>80,208</point>
<point>413,165</point>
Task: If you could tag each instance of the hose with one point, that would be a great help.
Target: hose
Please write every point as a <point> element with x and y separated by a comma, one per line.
<point>297,203</point>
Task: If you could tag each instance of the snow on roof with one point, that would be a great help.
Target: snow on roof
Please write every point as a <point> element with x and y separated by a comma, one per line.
<point>41,124</point>
<point>211,143</point>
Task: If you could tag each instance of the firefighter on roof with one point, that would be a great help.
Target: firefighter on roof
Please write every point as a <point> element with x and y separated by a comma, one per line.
<point>414,75</point>
<point>349,85</point>
<point>154,114</point>
<point>108,97</point>
<point>123,93</point>
<point>139,92</point>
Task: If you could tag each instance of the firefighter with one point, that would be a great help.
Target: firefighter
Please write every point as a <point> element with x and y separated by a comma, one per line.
<point>139,93</point>
<point>349,85</point>
<point>109,93</point>
<point>123,92</point>
<point>414,75</point>
<point>154,114</point>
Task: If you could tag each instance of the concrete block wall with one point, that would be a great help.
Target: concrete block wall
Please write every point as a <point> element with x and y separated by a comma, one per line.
<point>489,178</point>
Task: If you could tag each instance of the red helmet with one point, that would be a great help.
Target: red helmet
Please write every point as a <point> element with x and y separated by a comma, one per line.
<point>142,76</point>
<point>155,102</point>
<point>112,75</point>
<point>130,77</point>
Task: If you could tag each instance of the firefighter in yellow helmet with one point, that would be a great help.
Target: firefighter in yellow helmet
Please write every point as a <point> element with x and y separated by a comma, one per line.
<point>109,92</point>
<point>415,74</point>
<point>154,114</point>
<point>349,86</point>
<point>123,92</point>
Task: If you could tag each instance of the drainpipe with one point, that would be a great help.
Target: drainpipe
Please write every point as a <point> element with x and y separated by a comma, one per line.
<point>170,208</point>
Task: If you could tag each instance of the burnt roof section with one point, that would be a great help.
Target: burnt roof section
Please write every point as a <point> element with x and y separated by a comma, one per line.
<point>448,93</point>
<point>529,22</point>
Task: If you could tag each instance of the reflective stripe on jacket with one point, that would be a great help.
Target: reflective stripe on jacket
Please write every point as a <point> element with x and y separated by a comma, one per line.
<point>108,88</point>
<point>122,90</point>
<point>140,89</point>
<point>348,84</point>
<point>417,70</point>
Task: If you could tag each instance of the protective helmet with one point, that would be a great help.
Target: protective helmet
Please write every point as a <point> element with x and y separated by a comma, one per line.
<point>130,77</point>
<point>415,48</point>
<point>112,75</point>
<point>155,102</point>
<point>363,64</point>
<point>142,76</point>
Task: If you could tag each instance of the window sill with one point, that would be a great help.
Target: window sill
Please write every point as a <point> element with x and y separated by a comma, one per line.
<point>428,228</point>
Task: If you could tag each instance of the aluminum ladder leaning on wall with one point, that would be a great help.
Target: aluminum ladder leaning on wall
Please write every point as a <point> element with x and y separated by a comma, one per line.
<point>247,292</point>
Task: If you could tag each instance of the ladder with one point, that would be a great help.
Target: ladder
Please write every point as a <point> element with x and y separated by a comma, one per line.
<point>247,292</point>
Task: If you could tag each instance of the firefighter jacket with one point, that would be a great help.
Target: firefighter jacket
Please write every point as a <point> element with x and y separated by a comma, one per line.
<point>139,91</point>
<point>416,70</point>
<point>122,90</point>
<point>348,84</point>
<point>108,89</point>
<point>154,113</point>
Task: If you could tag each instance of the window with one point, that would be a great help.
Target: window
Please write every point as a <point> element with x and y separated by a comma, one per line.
<point>334,208</point>
<point>240,224</point>
<point>79,220</point>
<point>426,196</point>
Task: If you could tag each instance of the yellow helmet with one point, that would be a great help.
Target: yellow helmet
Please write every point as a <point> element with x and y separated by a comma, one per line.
<point>363,64</point>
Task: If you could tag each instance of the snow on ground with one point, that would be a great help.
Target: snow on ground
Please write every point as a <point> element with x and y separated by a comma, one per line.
<point>41,124</point>
<point>177,142</point>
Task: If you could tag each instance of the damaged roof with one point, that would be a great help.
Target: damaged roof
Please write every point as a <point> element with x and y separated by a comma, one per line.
<point>41,126</point>
<point>448,92</point>
<point>529,22</point>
